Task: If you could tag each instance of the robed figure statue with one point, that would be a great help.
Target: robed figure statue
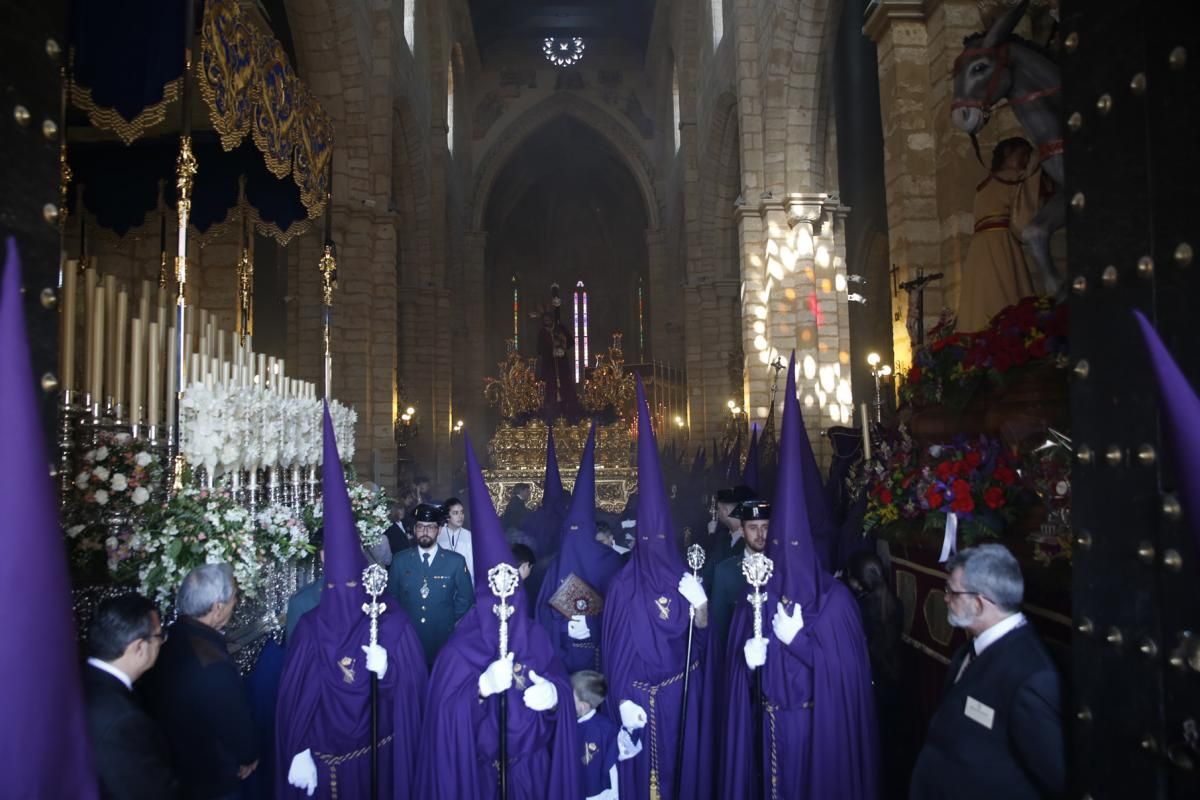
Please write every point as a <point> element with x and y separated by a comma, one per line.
<point>554,362</point>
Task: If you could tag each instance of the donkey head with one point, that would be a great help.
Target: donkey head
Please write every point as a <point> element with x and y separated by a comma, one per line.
<point>981,72</point>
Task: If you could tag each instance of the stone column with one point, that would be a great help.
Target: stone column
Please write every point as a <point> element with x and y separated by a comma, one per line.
<point>666,333</point>
<point>794,297</point>
<point>472,300</point>
<point>712,322</point>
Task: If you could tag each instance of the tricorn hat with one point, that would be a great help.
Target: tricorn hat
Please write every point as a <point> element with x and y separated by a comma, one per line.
<point>427,512</point>
<point>752,509</point>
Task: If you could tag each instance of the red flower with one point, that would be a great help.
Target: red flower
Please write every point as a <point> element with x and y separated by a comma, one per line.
<point>885,497</point>
<point>994,497</point>
<point>1004,474</point>
<point>1038,348</point>
<point>914,375</point>
<point>945,470</point>
<point>973,459</point>
<point>934,497</point>
<point>963,504</point>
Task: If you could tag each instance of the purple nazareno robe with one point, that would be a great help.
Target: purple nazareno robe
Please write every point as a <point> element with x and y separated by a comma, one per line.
<point>644,643</point>
<point>812,734</point>
<point>324,702</point>
<point>461,730</point>
<point>587,559</point>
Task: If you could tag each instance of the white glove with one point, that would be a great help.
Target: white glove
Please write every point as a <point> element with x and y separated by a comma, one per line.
<point>498,677</point>
<point>577,628</point>
<point>785,625</point>
<point>712,527</point>
<point>693,592</point>
<point>633,716</point>
<point>626,747</point>
<point>376,659</point>
<point>303,772</point>
<point>542,695</point>
<point>756,652</point>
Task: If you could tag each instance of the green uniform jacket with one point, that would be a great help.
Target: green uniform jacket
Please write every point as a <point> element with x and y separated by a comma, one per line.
<point>449,593</point>
<point>728,587</point>
<point>302,602</point>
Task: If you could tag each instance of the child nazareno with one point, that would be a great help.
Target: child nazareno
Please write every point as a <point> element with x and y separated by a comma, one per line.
<point>604,743</point>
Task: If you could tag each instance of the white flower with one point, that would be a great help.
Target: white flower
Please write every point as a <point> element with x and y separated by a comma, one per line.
<point>122,438</point>
<point>75,530</point>
<point>101,453</point>
<point>119,482</point>
<point>101,497</point>
<point>101,472</point>
<point>140,495</point>
<point>81,480</point>
<point>111,543</point>
<point>143,459</point>
<point>935,450</point>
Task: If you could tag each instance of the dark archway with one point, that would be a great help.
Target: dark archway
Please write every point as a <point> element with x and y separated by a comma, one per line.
<point>564,208</point>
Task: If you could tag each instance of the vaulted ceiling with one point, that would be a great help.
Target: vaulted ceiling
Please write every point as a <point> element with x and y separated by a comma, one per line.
<point>496,20</point>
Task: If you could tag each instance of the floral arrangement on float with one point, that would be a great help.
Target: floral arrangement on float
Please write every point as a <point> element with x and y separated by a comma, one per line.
<point>912,489</point>
<point>370,507</point>
<point>228,427</point>
<point>196,526</point>
<point>282,535</point>
<point>954,366</point>
<point>119,478</point>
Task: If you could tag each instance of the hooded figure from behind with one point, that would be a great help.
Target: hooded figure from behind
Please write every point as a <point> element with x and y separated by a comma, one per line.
<point>812,734</point>
<point>323,717</point>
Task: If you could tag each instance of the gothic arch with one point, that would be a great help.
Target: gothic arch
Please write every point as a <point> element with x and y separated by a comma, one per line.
<point>610,129</point>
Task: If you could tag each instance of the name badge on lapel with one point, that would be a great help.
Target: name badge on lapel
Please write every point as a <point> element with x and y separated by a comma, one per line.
<point>980,713</point>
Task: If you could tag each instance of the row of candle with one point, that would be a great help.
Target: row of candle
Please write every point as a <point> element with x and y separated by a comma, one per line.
<point>110,337</point>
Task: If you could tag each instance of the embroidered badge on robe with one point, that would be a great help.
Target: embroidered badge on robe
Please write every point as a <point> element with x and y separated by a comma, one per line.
<point>664,607</point>
<point>347,667</point>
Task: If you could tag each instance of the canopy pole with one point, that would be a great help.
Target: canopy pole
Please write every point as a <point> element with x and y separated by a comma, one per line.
<point>185,173</point>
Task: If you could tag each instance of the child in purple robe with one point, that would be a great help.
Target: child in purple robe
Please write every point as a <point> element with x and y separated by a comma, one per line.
<point>604,743</point>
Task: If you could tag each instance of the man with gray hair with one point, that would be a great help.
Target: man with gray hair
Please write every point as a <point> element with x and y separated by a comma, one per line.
<point>998,731</point>
<point>196,693</point>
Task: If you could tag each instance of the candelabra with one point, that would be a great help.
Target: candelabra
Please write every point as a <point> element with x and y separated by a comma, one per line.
<point>878,371</point>
<point>407,427</point>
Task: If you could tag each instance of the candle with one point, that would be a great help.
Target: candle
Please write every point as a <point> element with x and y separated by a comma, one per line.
<point>866,428</point>
<point>110,331</point>
<point>89,327</point>
<point>97,346</point>
<point>226,373</point>
<point>162,322</point>
<point>172,388</point>
<point>221,346</point>
<point>121,329</point>
<point>137,352</point>
<point>261,373</point>
<point>202,323</point>
<point>153,375</point>
<point>272,374</point>
<point>144,303</point>
<point>66,367</point>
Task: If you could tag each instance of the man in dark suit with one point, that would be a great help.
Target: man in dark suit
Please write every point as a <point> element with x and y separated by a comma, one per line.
<point>432,583</point>
<point>196,693</point>
<point>998,731</point>
<point>724,538</point>
<point>397,536</point>
<point>515,511</point>
<point>128,750</point>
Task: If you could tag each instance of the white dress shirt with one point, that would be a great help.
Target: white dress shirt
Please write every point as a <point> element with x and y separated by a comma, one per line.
<point>430,551</point>
<point>111,670</point>
<point>460,542</point>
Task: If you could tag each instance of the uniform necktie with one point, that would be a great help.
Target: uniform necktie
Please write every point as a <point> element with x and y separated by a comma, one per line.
<point>427,557</point>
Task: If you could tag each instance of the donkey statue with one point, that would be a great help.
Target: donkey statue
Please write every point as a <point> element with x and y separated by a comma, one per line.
<point>998,66</point>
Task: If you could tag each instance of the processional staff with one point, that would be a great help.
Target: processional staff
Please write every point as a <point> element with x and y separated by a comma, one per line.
<point>502,580</point>
<point>757,569</point>
<point>375,579</point>
<point>695,560</point>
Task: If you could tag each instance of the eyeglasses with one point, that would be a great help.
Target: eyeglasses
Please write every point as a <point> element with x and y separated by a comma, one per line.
<point>954,592</point>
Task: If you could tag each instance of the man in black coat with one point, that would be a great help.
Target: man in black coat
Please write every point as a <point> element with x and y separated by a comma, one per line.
<point>197,695</point>
<point>998,731</point>
<point>128,749</point>
<point>516,510</point>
